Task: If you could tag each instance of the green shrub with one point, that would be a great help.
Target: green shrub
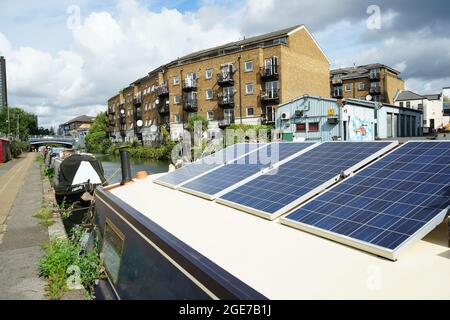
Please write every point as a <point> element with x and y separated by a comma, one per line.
<point>60,255</point>
<point>17,147</point>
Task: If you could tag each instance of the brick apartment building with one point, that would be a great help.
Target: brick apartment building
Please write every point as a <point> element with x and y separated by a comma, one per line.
<point>239,82</point>
<point>381,82</point>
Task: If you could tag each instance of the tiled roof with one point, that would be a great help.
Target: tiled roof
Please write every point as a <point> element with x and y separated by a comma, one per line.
<point>406,95</point>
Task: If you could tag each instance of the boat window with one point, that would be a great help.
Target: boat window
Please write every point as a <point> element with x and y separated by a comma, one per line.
<point>112,249</point>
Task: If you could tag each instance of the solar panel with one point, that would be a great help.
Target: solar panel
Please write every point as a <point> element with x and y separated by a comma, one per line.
<point>281,189</point>
<point>398,199</point>
<point>204,165</point>
<point>246,168</point>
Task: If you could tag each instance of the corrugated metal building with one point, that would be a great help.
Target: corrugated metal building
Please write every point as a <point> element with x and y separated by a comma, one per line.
<point>323,119</point>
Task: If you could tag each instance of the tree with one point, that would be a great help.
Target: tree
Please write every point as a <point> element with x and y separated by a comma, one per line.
<point>98,134</point>
<point>27,123</point>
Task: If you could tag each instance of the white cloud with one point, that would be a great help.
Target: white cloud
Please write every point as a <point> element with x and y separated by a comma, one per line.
<point>107,53</point>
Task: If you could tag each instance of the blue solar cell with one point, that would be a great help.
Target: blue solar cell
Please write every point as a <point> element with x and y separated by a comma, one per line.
<point>236,171</point>
<point>206,164</point>
<point>300,176</point>
<point>400,197</point>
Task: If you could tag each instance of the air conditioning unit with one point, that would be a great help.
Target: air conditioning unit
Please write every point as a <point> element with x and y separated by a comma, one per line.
<point>285,116</point>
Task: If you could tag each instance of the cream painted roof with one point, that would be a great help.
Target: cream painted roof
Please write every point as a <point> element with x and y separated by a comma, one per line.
<point>285,263</point>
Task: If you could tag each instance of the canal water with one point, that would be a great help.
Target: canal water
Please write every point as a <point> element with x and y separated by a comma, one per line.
<point>113,174</point>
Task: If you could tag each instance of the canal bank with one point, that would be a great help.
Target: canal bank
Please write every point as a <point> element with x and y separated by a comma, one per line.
<point>22,235</point>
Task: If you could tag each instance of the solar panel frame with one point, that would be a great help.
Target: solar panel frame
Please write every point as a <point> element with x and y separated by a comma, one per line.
<point>257,146</point>
<point>313,192</point>
<point>254,176</point>
<point>391,254</point>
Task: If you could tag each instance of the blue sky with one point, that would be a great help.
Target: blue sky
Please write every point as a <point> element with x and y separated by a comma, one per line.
<point>60,72</point>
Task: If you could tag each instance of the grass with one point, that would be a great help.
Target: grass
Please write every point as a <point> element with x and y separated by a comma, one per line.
<point>63,254</point>
<point>45,215</point>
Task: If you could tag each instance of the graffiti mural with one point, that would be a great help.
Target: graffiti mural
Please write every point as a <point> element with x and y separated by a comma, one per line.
<point>360,129</point>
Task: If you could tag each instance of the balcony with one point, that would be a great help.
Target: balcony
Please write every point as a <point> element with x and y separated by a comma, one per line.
<point>164,109</point>
<point>112,123</point>
<point>111,111</point>
<point>269,73</point>
<point>137,101</point>
<point>189,85</point>
<point>225,79</point>
<point>375,90</point>
<point>374,76</point>
<point>190,105</point>
<point>224,123</point>
<point>225,101</point>
<point>162,90</point>
<point>272,96</point>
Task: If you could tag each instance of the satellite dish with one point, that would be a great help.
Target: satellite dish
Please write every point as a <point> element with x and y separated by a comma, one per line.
<point>369,97</point>
<point>122,111</point>
<point>139,123</point>
<point>157,101</point>
<point>153,129</point>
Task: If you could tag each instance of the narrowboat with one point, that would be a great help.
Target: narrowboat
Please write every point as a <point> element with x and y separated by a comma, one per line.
<point>76,175</point>
<point>284,230</point>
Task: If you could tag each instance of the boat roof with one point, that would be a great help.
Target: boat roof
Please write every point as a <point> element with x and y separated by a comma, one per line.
<point>284,263</point>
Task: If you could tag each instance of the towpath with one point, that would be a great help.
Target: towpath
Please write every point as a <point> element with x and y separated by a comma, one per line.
<point>21,235</point>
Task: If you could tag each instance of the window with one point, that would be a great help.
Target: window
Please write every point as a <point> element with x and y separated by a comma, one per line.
<point>210,115</point>
<point>280,41</point>
<point>248,66</point>
<point>249,87</point>
<point>408,104</point>
<point>420,106</point>
<point>361,86</point>
<point>177,99</point>
<point>377,98</point>
<point>250,111</point>
<point>177,118</point>
<point>208,74</point>
<point>337,91</point>
<point>313,127</point>
<point>348,88</point>
<point>176,80</point>
<point>300,127</point>
<point>209,94</point>
<point>401,104</point>
<point>113,240</point>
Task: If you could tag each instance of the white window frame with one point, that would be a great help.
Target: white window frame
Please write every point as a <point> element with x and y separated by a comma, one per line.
<point>247,86</point>
<point>176,80</point>
<point>208,115</point>
<point>209,77</point>
<point>207,96</point>
<point>361,86</point>
<point>245,66</point>
<point>177,118</point>
<point>175,99</point>
<point>250,115</point>
<point>348,85</point>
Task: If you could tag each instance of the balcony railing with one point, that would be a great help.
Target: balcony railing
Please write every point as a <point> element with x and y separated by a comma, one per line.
<point>223,123</point>
<point>162,90</point>
<point>269,73</point>
<point>137,101</point>
<point>112,123</point>
<point>375,90</point>
<point>225,101</point>
<point>189,84</point>
<point>335,80</point>
<point>225,79</point>
<point>164,108</point>
<point>374,76</point>
<point>190,105</point>
<point>271,96</point>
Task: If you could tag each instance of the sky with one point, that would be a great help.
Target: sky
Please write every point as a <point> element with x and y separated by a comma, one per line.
<point>67,57</point>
